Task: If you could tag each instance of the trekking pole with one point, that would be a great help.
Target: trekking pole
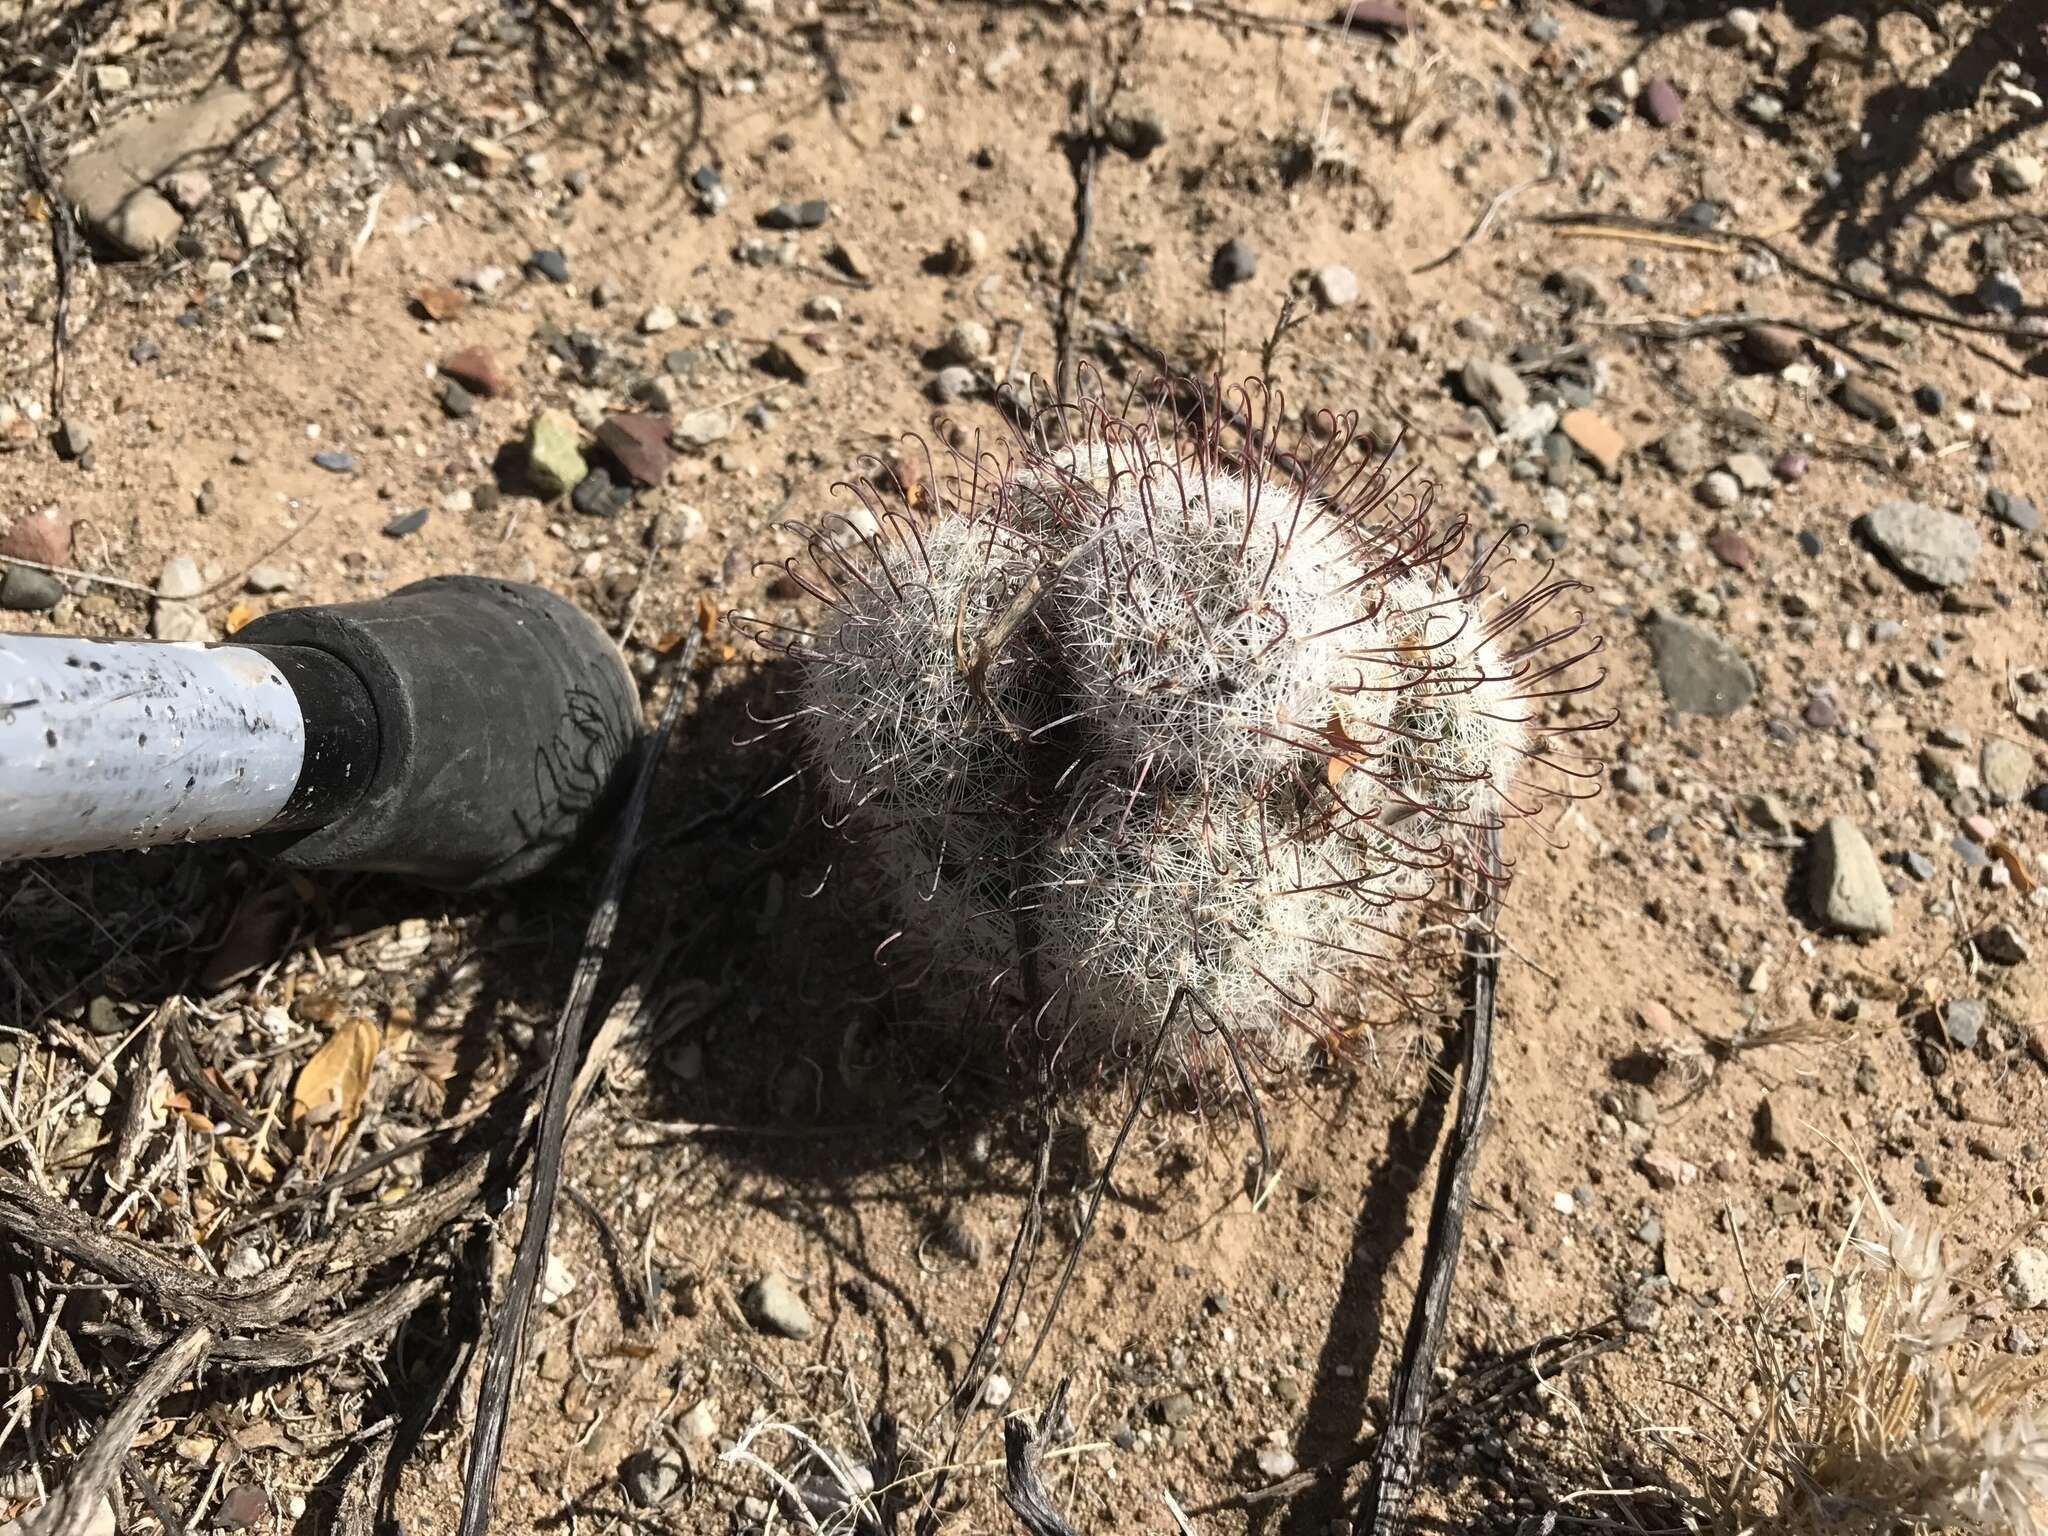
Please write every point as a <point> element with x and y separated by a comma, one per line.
<point>461,731</point>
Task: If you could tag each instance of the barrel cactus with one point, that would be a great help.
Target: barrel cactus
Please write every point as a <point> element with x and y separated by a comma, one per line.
<point>1144,703</point>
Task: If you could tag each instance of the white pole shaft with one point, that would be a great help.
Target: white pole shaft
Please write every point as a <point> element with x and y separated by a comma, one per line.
<point>132,744</point>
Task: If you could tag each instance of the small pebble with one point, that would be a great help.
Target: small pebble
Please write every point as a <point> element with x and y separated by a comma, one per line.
<point>1235,262</point>
<point>953,384</point>
<point>1930,400</point>
<point>1336,287</point>
<point>406,522</point>
<point>1662,103</point>
<point>550,264</point>
<point>1999,293</point>
<point>805,215</point>
<point>335,462</point>
<point>1719,489</point>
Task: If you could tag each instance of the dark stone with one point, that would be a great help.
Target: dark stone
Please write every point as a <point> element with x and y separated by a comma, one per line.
<point>1235,262</point>
<point>144,350</point>
<point>1971,853</point>
<point>1917,864</point>
<point>1704,214</point>
<point>455,400</point>
<point>597,496</point>
<point>1999,293</point>
<point>1853,396</point>
<point>805,215</point>
<point>25,591</point>
<point>335,462</point>
<point>1930,399</point>
<point>2013,509</point>
<point>406,522</point>
<point>1809,543</point>
<point>550,264</point>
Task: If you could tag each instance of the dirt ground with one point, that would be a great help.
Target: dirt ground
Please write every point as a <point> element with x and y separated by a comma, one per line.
<point>1698,1079</point>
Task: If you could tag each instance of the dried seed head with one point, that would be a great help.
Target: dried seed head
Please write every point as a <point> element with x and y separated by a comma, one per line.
<point>1125,710</point>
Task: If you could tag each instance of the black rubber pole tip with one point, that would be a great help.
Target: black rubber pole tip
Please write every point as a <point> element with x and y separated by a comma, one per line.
<point>503,716</point>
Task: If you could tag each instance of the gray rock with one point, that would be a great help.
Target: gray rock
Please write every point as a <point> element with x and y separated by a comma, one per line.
<point>954,383</point>
<point>25,591</point>
<point>1845,886</point>
<point>1174,1410</point>
<point>1234,262</point>
<point>1685,449</point>
<point>651,1477</point>
<point>550,264</point>
<point>2007,769</point>
<point>1701,673</point>
<point>175,621</point>
<point>110,185</point>
<point>772,1305</point>
<point>2026,1279</point>
<point>1275,1462</point>
<point>259,216</point>
<point>1999,293</point>
<point>2013,509</point>
<point>74,438</point>
<point>1936,549</point>
<point>180,579</point>
<point>1497,390</point>
<point>700,429</point>
<point>189,190</point>
<point>1336,287</point>
<point>1750,471</point>
<point>268,578</point>
<point>1963,1021</point>
<point>808,214</point>
<point>966,342</point>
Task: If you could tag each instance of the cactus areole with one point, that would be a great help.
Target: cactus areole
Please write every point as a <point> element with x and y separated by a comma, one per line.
<point>1145,699</point>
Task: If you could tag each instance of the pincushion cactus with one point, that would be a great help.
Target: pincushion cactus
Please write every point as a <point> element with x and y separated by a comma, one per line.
<point>1125,709</point>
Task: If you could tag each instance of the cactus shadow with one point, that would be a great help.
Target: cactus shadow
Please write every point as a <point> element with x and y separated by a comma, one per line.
<point>1336,1411</point>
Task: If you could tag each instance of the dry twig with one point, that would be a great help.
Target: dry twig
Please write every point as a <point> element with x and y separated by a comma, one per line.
<point>71,1512</point>
<point>1397,1463</point>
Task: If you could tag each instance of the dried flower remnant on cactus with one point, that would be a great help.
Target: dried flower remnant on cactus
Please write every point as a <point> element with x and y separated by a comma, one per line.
<point>1140,704</point>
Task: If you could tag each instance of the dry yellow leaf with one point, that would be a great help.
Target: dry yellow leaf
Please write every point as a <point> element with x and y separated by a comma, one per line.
<point>239,615</point>
<point>331,1086</point>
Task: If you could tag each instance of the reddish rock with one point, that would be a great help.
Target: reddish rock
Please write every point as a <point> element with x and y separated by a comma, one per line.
<point>1822,712</point>
<point>41,536</point>
<point>476,370</point>
<point>1595,438</point>
<point>1731,548</point>
<point>1662,103</point>
<point>1375,16</point>
<point>1791,466</point>
<point>640,444</point>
